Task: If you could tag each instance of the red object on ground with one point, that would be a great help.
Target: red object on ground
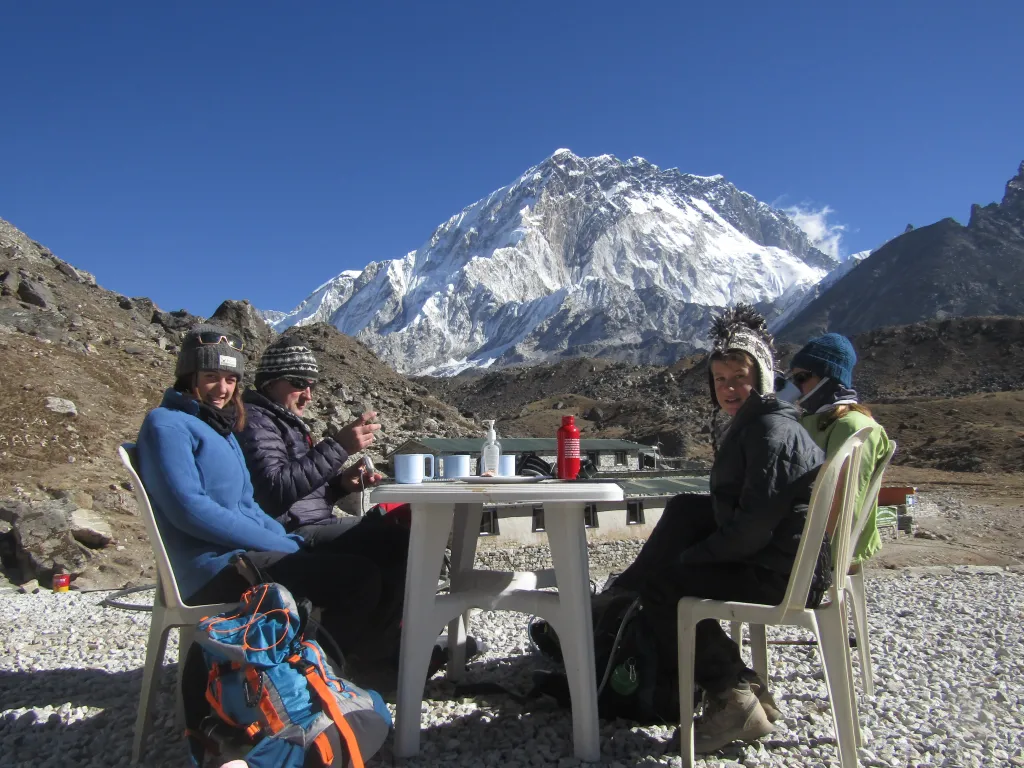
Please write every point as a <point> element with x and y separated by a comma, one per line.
<point>401,514</point>
<point>61,582</point>
<point>568,466</point>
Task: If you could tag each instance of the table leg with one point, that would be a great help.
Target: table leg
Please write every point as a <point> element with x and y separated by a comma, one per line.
<point>464,541</point>
<point>568,539</point>
<point>430,526</point>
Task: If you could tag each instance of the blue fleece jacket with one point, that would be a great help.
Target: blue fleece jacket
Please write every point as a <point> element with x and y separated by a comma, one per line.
<point>201,494</point>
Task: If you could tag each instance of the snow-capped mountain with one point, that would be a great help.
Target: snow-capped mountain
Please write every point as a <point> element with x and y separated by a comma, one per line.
<point>792,303</point>
<point>577,256</point>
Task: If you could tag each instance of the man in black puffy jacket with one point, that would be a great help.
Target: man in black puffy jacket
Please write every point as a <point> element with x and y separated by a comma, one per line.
<point>298,482</point>
<point>294,480</point>
<point>740,542</point>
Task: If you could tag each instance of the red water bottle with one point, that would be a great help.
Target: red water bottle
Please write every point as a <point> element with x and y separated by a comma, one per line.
<point>568,466</point>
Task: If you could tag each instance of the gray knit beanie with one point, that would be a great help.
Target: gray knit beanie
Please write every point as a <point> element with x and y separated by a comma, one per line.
<point>210,348</point>
<point>286,357</point>
<point>743,329</point>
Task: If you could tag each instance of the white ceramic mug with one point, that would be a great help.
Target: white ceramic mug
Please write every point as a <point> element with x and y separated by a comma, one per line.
<point>507,465</point>
<point>456,465</point>
<point>411,467</point>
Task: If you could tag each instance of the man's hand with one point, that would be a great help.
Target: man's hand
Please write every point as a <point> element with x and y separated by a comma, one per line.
<point>359,434</point>
<point>355,478</point>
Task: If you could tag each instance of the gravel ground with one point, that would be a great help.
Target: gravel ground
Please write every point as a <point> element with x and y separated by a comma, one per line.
<point>947,647</point>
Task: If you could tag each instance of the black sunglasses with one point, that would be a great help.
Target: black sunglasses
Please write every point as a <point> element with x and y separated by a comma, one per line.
<point>800,378</point>
<point>298,383</point>
<point>212,337</point>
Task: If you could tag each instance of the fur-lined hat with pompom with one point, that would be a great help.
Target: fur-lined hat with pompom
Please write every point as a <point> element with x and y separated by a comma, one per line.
<point>743,329</point>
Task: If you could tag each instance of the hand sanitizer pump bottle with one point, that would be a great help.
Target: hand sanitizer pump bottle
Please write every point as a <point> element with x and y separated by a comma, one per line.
<point>491,453</point>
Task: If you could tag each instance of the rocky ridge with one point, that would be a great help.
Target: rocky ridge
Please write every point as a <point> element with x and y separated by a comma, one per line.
<point>930,273</point>
<point>918,372</point>
<point>85,365</point>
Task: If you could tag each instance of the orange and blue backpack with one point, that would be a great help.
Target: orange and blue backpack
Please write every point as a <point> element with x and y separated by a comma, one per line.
<point>271,696</point>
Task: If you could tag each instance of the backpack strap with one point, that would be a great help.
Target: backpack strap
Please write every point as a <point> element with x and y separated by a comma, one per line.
<point>323,745</point>
<point>276,718</point>
<point>318,684</point>
<point>213,692</point>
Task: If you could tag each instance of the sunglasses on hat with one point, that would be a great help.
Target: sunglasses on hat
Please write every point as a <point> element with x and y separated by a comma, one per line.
<point>300,383</point>
<point>212,337</point>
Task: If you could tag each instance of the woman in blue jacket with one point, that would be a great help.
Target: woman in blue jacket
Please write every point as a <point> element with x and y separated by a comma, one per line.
<point>202,497</point>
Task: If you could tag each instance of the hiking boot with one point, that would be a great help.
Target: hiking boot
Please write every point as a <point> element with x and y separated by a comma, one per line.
<point>760,689</point>
<point>733,715</point>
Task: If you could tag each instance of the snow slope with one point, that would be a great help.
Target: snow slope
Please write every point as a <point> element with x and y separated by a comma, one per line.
<point>578,255</point>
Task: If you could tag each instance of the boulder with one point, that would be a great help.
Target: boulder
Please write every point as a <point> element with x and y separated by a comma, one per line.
<point>43,538</point>
<point>60,405</point>
<point>43,325</point>
<point>9,283</point>
<point>176,322</point>
<point>242,318</point>
<point>90,529</point>
<point>35,292</point>
<point>68,271</point>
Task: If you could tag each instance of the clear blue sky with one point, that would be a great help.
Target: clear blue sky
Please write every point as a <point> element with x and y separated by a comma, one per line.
<point>196,151</point>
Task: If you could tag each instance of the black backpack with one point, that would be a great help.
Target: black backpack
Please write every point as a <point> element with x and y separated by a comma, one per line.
<point>633,682</point>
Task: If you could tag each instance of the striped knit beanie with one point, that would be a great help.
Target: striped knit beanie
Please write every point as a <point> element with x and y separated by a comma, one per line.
<point>743,329</point>
<point>286,357</point>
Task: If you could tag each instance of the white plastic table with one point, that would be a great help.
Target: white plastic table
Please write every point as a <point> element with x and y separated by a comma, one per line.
<point>435,505</point>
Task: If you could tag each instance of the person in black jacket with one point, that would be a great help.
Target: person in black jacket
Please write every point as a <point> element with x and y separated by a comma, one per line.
<point>294,480</point>
<point>740,542</point>
<point>297,481</point>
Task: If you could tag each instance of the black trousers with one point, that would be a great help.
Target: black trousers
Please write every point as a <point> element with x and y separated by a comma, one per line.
<point>354,573</point>
<point>661,580</point>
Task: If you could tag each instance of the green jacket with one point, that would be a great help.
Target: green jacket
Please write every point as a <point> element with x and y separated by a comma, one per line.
<point>834,435</point>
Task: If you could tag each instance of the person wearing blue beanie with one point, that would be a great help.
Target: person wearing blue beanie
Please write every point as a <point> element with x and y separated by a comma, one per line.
<point>830,356</point>
<point>823,372</point>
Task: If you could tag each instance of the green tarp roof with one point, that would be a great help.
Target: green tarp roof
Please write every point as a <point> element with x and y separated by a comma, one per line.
<point>662,486</point>
<point>514,445</point>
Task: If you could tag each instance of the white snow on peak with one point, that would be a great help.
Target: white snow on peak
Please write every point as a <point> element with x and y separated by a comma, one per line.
<point>790,306</point>
<point>576,256</point>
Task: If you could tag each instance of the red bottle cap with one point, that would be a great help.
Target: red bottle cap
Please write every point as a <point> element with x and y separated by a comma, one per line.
<point>567,421</point>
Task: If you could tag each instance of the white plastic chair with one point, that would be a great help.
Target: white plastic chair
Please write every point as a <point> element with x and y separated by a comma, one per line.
<point>828,622</point>
<point>169,611</point>
<point>855,580</point>
<point>854,590</point>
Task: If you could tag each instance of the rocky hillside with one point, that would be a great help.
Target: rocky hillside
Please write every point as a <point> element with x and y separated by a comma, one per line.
<point>934,272</point>
<point>82,367</point>
<point>901,367</point>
